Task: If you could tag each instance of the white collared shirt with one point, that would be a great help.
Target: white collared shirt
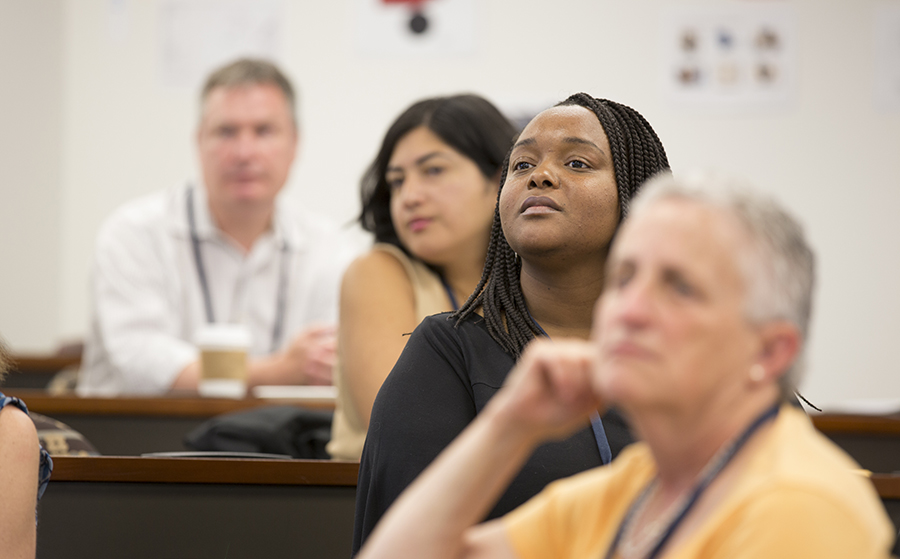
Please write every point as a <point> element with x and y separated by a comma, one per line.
<point>147,300</point>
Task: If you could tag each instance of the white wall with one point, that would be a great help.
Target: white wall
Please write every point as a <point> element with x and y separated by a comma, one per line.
<point>30,102</point>
<point>830,157</point>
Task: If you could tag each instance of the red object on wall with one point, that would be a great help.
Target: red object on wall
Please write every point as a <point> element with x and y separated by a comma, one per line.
<point>418,24</point>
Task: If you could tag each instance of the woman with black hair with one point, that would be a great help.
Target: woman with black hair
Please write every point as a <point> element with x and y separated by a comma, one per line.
<point>429,200</point>
<point>565,187</point>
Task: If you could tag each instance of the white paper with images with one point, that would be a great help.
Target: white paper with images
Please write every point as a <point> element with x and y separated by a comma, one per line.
<point>732,58</point>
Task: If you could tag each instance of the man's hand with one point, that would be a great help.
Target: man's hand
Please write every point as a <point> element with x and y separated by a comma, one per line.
<point>310,357</point>
<point>550,392</point>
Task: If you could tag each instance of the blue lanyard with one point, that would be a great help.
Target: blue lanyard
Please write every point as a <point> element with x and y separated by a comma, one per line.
<point>450,294</point>
<point>283,279</point>
<point>596,422</point>
<point>718,464</point>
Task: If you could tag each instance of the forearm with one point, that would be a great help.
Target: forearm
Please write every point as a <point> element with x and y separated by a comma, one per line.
<point>264,371</point>
<point>455,492</point>
<point>269,370</point>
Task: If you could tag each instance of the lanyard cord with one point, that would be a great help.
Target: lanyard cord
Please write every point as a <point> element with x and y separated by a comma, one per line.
<point>198,259</point>
<point>280,297</point>
<point>596,423</point>
<point>450,294</point>
<point>711,471</point>
<point>283,279</point>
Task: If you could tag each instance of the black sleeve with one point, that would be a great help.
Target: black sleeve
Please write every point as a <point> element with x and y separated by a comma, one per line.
<point>424,403</point>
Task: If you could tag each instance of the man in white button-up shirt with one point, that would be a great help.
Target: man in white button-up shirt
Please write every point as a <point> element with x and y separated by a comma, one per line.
<point>219,250</point>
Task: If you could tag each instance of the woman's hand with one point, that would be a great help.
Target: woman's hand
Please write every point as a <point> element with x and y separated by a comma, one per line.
<point>550,393</point>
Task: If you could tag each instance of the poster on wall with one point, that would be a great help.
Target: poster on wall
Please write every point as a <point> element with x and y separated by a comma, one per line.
<point>414,28</point>
<point>198,35</point>
<point>733,58</point>
<point>887,57</point>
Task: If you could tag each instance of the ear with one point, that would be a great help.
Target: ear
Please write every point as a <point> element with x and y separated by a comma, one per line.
<point>780,345</point>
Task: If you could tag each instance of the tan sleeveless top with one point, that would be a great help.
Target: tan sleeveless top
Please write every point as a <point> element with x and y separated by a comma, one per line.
<point>347,432</point>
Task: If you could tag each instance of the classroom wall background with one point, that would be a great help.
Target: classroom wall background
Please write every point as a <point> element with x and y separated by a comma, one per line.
<point>88,124</point>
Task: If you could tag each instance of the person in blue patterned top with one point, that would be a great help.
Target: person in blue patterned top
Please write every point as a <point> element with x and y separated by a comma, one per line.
<point>24,472</point>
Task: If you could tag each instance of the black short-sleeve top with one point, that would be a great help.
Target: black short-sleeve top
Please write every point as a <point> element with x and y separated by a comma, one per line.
<point>442,380</point>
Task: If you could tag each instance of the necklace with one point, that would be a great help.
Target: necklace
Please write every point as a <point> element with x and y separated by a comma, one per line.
<point>635,544</point>
<point>650,541</point>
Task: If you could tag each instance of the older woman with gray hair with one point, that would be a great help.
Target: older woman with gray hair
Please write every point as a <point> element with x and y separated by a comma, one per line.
<point>697,339</point>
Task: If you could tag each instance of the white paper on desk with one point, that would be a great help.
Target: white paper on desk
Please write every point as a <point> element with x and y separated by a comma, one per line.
<point>325,393</point>
<point>197,36</point>
<point>866,406</point>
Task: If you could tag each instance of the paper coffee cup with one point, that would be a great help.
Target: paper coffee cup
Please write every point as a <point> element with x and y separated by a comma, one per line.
<point>223,360</point>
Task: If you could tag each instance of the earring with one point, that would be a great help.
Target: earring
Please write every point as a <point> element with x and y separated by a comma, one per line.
<point>757,373</point>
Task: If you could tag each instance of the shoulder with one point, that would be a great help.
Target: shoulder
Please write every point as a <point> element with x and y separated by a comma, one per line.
<point>469,346</point>
<point>17,432</point>
<point>471,335</point>
<point>306,229</point>
<point>441,325</point>
<point>378,264</point>
<point>801,456</point>
<point>802,474</point>
<point>803,520</point>
<point>318,242</point>
<point>376,275</point>
<point>149,214</point>
<point>149,209</point>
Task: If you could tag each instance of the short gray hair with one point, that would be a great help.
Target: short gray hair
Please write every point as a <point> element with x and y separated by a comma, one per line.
<point>779,268</point>
<point>250,71</point>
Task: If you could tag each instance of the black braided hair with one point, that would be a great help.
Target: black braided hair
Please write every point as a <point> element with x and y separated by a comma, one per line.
<point>637,155</point>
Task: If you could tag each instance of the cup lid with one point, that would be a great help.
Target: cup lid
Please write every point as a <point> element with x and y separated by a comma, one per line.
<point>223,335</point>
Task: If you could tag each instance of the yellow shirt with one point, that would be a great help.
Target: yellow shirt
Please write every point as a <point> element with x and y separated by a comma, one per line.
<point>347,432</point>
<point>798,497</point>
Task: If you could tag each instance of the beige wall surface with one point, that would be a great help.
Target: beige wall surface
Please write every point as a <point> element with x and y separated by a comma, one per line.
<point>95,126</point>
<point>30,102</point>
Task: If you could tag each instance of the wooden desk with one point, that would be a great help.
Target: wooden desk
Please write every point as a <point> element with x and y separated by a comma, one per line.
<point>873,441</point>
<point>36,371</point>
<point>131,426</point>
<point>132,507</point>
<point>190,508</point>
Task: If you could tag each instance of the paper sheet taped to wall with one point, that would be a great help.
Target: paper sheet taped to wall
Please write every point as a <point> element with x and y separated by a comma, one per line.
<point>196,36</point>
<point>733,57</point>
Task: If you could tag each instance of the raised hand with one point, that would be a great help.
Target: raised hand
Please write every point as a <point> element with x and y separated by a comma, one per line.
<point>550,393</point>
<point>311,355</point>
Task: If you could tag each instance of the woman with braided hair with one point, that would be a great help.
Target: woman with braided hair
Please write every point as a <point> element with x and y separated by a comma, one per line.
<point>564,188</point>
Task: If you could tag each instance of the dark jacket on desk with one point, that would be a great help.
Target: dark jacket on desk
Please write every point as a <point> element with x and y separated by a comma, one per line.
<point>443,379</point>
